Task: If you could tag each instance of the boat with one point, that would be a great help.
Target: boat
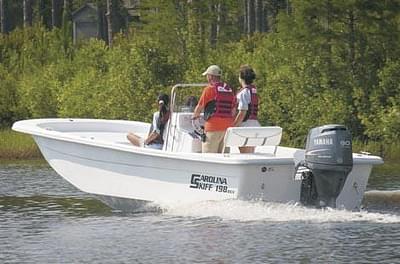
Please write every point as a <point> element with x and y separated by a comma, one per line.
<point>95,156</point>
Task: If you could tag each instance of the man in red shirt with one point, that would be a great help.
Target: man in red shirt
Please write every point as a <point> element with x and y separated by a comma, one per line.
<point>217,101</point>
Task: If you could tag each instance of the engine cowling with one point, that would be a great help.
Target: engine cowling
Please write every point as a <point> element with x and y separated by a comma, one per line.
<point>329,160</point>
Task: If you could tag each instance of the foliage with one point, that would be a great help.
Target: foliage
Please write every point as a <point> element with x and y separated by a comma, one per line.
<point>382,122</point>
<point>8,98</point>
<point>14,145</point>
<point>330,61</point>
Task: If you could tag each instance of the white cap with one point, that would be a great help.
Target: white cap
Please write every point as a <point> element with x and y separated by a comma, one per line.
<point>213,70</point>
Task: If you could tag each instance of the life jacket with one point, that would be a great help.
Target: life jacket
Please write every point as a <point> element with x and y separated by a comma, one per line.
<point>253,106</point>
<point>223,102</point>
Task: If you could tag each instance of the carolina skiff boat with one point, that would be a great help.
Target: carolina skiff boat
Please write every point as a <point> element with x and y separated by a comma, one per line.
<point>95,156</point>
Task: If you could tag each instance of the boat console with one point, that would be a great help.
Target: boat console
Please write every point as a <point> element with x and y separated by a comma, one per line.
<point>180,135</point>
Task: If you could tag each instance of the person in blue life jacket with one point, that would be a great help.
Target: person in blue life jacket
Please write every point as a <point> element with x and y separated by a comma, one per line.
<point>160,118</point>
<point>247,103</point>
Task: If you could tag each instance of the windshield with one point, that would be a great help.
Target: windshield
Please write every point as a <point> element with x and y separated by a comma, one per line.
<point>186,97</point>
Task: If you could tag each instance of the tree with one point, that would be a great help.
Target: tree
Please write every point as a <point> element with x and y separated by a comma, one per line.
<point>2,17</point>
<point>250,14</point>
<point>27,13</point>
<point>215,23</point>
<point>67,24</point>
<point>67,12</point>
<point>56,8</point>
<point>43,12</point>
<point>110,15</point>
<point>114,18</point>
<point>259,16</point>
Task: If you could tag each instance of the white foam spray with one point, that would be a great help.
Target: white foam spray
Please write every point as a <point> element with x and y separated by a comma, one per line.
<point>276,212</point>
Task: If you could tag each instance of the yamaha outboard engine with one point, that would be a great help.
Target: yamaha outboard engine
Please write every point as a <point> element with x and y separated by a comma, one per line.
<point>328,161</point>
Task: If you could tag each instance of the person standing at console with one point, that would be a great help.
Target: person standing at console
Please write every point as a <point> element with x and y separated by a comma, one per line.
<point>218,103</point>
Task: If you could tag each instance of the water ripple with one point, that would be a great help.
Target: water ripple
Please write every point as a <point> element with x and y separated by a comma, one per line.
<point>43,219</point>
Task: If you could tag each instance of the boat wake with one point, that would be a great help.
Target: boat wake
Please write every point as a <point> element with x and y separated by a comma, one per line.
<point>276,212</point>
<point>378,207</point>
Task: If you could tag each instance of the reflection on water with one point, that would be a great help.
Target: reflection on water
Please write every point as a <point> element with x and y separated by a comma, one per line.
<point>70,206</point>
<point>388,201</point>
<point>33,178</point>
<point>43,219</point>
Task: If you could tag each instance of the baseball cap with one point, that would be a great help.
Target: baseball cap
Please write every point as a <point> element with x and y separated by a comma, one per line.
<point>213,70</point>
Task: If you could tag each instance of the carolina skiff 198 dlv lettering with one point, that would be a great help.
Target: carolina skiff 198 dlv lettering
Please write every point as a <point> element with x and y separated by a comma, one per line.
<point>95,156</point>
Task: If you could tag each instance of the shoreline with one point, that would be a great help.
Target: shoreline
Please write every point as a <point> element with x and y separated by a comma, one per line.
<point>18,146</point>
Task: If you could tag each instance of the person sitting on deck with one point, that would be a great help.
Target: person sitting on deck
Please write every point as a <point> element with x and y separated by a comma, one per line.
<point>160,118</point>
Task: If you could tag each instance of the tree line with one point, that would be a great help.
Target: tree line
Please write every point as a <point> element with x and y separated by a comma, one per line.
<point>56,13</point>
<point>317,62</point>
<point>253,15</point>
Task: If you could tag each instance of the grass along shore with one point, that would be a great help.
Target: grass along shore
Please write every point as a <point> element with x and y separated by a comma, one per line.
<point>389,152</point>
<point>15,145</point>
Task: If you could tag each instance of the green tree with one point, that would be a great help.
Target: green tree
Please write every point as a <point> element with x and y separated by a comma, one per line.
<point>384,124</point>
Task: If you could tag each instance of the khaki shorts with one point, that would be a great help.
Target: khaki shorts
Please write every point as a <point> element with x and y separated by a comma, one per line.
<point>214,142</point>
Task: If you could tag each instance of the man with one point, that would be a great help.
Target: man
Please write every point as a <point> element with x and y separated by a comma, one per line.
<point>217,101</point>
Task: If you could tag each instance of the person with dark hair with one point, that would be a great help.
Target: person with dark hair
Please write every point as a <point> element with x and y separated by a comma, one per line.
<point>190,104</point>
<point>160,118</point>
<point>247,107</point>
<point>217,101</point>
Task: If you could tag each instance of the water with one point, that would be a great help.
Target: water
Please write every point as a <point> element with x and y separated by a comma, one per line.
<point>43,219</point>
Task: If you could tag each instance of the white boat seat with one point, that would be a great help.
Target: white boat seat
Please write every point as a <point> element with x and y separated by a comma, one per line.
<point>253,136</point>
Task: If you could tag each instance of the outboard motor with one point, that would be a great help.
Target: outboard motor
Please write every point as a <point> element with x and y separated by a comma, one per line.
<point>328,161</point>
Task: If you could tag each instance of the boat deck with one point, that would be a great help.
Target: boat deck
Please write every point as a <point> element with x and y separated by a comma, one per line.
<point>112,134</point>
<point>111,137</point>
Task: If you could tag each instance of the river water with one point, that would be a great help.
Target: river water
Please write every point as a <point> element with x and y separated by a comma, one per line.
<point>43,219</point>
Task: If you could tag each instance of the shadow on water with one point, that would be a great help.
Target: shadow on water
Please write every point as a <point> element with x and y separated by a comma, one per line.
<point>76,206</point>
<point>127,206</point>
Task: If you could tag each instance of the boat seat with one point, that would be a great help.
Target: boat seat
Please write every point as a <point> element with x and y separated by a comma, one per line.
<point>253,137</point>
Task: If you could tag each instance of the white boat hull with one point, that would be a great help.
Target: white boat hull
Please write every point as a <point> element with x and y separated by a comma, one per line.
<point>105,164</point>
<point>131,175</point>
